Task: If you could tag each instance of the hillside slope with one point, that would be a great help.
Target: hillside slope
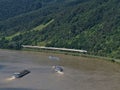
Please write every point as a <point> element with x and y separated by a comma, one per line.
<point>92,25</point>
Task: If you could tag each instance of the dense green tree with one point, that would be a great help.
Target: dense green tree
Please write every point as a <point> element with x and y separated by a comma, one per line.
<point>93,25</point>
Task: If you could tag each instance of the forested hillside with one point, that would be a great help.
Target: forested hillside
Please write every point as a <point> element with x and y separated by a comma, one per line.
<point>93,25</point>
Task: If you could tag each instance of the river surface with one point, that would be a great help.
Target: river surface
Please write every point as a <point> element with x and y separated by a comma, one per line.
<point>80,73</point>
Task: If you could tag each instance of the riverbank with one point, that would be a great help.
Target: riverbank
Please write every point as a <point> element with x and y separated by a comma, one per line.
<point>73,53</point>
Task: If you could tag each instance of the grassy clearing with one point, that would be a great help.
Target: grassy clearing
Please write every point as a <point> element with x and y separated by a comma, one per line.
<point>38,28</point>
<point>12,36</point>
<point>42,26</point>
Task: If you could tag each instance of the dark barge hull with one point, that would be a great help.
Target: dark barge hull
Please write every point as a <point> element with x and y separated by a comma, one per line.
<point>21,74</point>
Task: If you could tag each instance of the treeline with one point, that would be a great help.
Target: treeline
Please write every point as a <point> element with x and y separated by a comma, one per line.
<point>93,25</point>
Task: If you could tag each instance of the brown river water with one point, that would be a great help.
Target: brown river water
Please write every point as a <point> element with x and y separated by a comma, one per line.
<point>80,73</point>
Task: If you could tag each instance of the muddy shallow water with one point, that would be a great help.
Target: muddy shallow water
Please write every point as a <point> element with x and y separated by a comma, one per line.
<point>79,73</point>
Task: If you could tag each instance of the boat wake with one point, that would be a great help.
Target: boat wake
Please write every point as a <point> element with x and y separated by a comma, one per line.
<point>60,72</point>
<point>10,79</point>
<point>58,69</point>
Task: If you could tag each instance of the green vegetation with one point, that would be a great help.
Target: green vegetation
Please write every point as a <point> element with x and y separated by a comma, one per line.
<point>93,25</point>
<point>12,36</point>
<point>42,26</point>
